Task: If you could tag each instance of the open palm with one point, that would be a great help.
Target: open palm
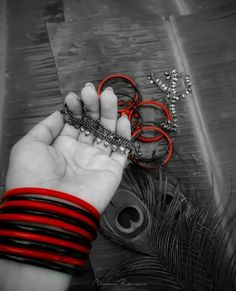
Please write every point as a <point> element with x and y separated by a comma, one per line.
<point>57,156</point>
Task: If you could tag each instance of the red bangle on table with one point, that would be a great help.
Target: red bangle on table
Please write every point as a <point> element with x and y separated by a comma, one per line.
<point>167,115</point>
<point>165,135</point>
<point>115,77</point>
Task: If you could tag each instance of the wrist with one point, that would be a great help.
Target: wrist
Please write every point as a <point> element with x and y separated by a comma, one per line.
<point>47,228</point>
<point>22,277</point>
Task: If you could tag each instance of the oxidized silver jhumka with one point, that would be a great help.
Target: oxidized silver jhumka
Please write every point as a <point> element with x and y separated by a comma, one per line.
<point>174,90</point>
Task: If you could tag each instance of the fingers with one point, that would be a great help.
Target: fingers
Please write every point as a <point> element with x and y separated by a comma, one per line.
<point>91,102</point>
<point>123,128</point>
<point>108,118</point>
<point>74,105</point>
<point>46,130</point>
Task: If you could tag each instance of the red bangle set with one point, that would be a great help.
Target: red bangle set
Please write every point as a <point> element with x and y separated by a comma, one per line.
<point>53,208</point>
<point>55,194</point>
<point>154,128</point>
<point>131,108</point>
<point>36,230</point>
<point>163,134</point>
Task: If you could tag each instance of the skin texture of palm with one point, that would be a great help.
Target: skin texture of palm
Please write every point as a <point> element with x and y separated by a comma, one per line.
<point>57,156</point>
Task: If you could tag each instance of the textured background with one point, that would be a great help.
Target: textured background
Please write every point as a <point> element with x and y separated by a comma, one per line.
<point>55,47</point>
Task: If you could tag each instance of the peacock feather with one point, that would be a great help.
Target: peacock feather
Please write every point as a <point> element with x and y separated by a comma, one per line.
<point>182,241</point>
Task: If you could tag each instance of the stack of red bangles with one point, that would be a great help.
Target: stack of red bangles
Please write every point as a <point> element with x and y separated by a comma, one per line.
<point>130,102</point>
<point>47,228</point>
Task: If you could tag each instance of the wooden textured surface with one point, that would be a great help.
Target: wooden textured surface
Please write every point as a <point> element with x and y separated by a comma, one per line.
<point>101,44</point>
<point>3,48</point>
<point>105,41</point>
<point>32,90</point>
<point>136,38</point>
<point>204,6</point>
<point>210,51</point>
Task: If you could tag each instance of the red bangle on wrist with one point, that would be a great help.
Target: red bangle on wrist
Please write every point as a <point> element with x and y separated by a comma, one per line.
<point>39,255</point>
<point>53,208</point>
<point>53,193</point>
<point>46,222</point>
<point>38,208</point>
<point>44,239</point>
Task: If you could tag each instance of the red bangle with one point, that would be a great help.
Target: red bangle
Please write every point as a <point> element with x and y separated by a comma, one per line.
<point>167,113</point>
<point>113,76</point>
<point>127,79</point>
<point>127,109</point>
<point>47,222</point>
<point>44,239</point>
<point>165,135</point>
<point>50,207</point>
<point>53,193</point>
<point>25,252</point>
<point>52,222</point>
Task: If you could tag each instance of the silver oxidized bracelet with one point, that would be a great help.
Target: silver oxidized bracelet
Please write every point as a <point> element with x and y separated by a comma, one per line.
<point>90,125</point>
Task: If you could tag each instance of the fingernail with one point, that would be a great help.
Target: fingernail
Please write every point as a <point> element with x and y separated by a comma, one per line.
<point>72,94</point>
<point>89,84</point>
<point>123,114</point>
<point>110,89</point>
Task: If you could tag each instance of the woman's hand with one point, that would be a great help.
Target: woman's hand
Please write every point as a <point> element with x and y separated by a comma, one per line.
<point>57,156</point>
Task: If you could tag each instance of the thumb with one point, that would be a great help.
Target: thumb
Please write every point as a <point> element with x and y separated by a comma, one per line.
<point>46,130</point>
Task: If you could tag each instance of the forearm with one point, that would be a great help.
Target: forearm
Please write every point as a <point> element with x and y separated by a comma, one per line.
<point>22,277</point>
<point>58,238</point>
<point>54,226</point>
